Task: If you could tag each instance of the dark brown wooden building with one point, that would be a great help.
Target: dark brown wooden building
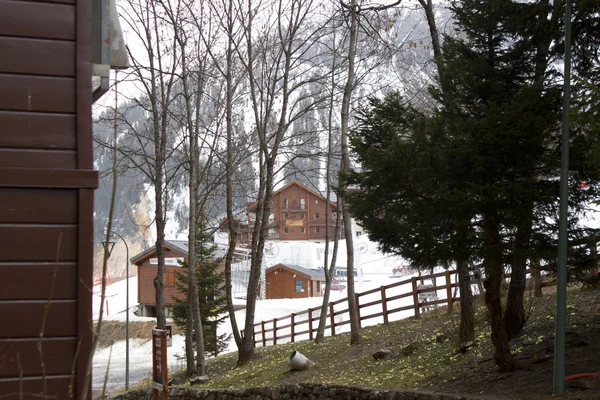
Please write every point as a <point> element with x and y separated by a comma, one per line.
<point>297,213</point>
<point>47,185</point>
<point>293,282</point>
<point>147,263</point>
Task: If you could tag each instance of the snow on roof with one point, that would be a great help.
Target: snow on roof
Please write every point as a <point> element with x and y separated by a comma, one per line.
<point>313,273</point>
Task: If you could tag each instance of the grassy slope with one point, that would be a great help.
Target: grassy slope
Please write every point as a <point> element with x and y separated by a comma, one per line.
<point>424,355</point>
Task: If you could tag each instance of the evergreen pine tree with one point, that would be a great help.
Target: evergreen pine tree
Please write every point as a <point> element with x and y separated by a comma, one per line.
<point>211,291</point>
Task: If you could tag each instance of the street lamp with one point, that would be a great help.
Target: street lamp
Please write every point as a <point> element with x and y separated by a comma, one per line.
<point>109,246</point>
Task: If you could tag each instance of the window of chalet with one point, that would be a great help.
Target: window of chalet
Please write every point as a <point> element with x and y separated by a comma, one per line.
<point>302,230</point>
<point>302,204</point>
<point>303,215</point>
<point>285,230</point>
<point>285,203</point>
<point>299,286</point>
<point>271,217</point>
<point>285,215</point>
<point>272,233</point>
<point>317,229</point>
<point>316,215</point>
<point>316,201</point>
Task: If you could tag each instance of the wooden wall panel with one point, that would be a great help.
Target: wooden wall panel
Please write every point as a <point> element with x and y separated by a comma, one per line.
<point>37,93</point>
<point>24,319</point>
<point>58,356</point>
<point>57,388</point>
<point>41,241</point>
<point>37,130</point>
<point>24,19</point>
<point>29,205</point>
<point>18,279</point>
<point>37,57</point>
<point>35,158</point>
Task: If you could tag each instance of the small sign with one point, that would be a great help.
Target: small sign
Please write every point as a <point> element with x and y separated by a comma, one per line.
<point>170,261</point>
<point>159,365</point>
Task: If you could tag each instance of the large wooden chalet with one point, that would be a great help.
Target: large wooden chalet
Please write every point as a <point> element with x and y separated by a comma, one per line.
<point>297,213</point>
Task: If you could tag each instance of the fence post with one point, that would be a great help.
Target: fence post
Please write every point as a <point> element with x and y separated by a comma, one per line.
<point>449,290</point>
<point>384,305</point>
<point>416,297</point>
<point>293,321</point>
<point>332,319</point>
<point>264,339</point>
<point>274,331</point>
<point>310,327</point>
<point>357,309</point>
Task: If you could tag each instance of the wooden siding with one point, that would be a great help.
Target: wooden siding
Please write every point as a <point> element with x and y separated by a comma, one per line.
<point>146,292</point>
<point>281,284</point>
<point>46,186</point>
<point>299,216</point>
<point>146,274</point>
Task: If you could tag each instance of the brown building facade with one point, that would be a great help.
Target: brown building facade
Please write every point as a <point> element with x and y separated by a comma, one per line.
<point>293,282</point>
<point>297,213</point>
<point>47,184</point>
<point>147,264</point>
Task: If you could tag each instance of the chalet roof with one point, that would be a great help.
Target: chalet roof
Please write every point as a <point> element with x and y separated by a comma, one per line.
<point>311,273</point>
<point>252,206</point>
<point>180,245</point>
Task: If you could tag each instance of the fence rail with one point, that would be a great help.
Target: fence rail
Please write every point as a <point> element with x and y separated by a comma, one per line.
<point>382,304</point>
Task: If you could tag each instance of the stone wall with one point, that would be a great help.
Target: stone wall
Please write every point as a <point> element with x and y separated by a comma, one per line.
<point>291,392</point>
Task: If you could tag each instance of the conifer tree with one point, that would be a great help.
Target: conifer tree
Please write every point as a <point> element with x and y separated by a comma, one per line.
<point>211,292</point>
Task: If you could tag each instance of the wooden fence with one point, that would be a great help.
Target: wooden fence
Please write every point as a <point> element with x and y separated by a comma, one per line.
<point>379,303</point>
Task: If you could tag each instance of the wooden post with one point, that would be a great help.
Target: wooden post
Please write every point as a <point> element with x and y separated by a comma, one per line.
<point>160,377</point>
<point>310,326</point>
<point>292,322</point>
<point>274,331</point>
<point>357,309</point>
<point>415,297</point>
<point>449,290</point>
<point>332,319</point>
<point>384,305</point>
<point>264,339</point>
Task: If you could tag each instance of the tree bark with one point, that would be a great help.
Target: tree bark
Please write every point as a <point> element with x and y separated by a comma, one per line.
<point>494,268</point>
<point>347,219</point>
<point>467,312</point>
<point>537,277</point>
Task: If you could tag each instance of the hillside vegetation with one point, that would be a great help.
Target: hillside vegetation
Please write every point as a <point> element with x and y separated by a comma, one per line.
<point>424,355</point>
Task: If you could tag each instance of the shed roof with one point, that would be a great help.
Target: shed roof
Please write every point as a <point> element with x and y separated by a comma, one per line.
<point>179,245</point>
<point>313,274</point>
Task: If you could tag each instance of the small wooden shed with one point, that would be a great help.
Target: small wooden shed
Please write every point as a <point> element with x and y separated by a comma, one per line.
<point>292,282</point>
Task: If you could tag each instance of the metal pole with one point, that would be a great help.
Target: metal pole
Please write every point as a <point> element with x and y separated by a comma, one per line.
<point>561,276</point>
<point>126,314</point>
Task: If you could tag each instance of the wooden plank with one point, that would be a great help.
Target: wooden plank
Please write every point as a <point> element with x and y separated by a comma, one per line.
<point>25,318</point>
<point>37,93</point>
<point>38,20</point>
<point>84,51</point>
<point>37,130</point>
<point>37,57</point>
<point>35,158</point>
<point>29,205</point>
<point>48,178</point>
<point>58,356</point>
<point>57,388</point>
<point>18,279</point>
<point>37,243</point>
<point>85,255</point>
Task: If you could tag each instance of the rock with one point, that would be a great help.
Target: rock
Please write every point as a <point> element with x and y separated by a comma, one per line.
<point>199,380</point>
<point>382,353</point>
<point>464,347</point>
<point>409,349</point>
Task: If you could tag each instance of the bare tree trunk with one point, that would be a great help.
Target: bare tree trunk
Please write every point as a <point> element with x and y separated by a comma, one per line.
<point>345,116</point>
<point>467,312</point>
<point>327,267</point>
<point>537,277</point>
<point>494,268</point>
